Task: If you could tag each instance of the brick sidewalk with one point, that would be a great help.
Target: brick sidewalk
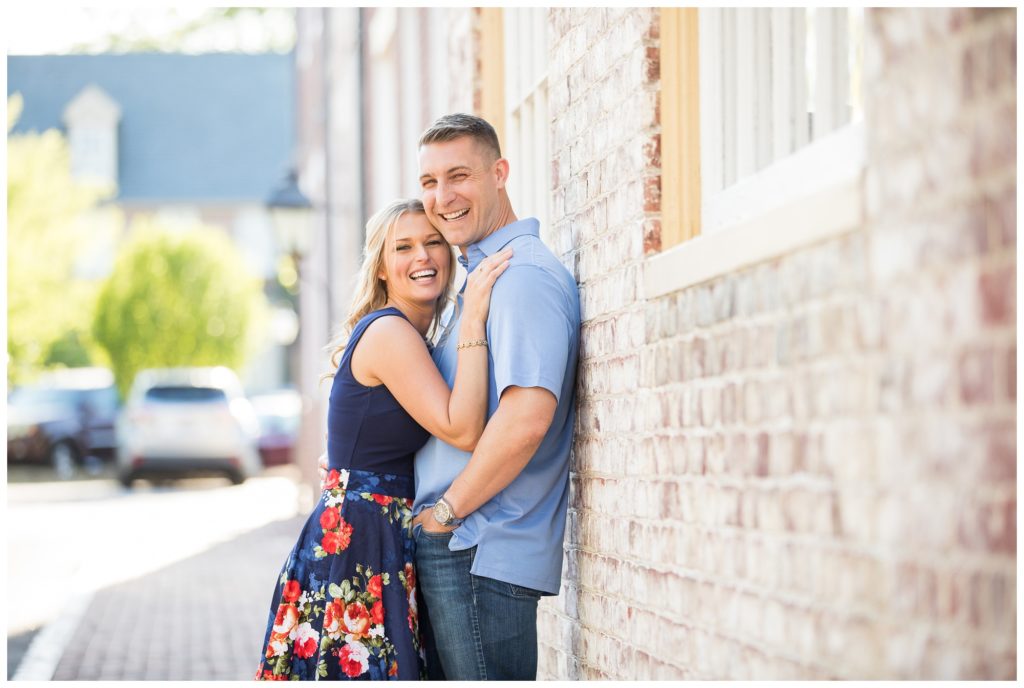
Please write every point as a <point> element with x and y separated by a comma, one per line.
<point>200,618</point>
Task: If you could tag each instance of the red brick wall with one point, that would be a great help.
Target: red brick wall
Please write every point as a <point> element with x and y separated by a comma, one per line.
<point>806,468</point>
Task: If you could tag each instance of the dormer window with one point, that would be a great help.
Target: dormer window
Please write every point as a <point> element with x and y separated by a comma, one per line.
<point>91,119</point>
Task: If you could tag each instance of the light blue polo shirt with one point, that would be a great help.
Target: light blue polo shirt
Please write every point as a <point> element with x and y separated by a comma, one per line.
<point>533,339</point>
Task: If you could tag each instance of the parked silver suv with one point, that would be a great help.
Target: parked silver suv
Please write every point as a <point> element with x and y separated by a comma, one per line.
<point>187,421</point>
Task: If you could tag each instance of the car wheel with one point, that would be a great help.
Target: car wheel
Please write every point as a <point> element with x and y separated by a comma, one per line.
<point>236,477</point>
<point>126,479</point>
<point>62,458</point>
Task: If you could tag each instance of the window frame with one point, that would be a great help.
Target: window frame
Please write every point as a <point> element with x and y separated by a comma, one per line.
<point>514,98</point>
<point>812,194</point>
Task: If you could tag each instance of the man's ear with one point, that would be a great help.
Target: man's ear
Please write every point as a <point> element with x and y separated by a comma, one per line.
<point>501,171</point>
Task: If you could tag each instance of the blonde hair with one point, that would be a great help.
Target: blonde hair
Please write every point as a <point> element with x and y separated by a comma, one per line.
<point>371,292</point>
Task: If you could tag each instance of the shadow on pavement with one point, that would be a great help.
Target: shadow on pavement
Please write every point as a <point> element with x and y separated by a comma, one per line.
<point>200,618</point>
<point>16,647</point>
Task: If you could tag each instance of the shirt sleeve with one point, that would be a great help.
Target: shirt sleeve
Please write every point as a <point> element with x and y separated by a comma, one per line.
<point>528,330</point>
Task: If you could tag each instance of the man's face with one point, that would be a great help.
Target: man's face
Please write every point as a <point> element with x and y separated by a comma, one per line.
<point>459,183</point>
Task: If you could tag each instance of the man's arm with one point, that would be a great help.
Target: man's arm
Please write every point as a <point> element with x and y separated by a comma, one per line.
<point>509,441</point>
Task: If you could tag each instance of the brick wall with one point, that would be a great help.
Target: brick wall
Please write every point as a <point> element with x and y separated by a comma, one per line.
<point>804,469</point>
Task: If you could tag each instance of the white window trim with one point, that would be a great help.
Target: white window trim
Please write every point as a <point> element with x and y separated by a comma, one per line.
<point>810,196</point>
<point>527,116</point>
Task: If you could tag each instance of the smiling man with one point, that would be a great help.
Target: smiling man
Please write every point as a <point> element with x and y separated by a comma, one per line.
<point>490,524</point>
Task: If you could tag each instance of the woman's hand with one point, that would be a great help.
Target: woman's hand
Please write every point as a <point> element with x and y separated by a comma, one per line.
<point>476,300</point>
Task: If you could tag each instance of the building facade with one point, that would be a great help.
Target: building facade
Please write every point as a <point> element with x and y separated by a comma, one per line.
<point>185,138</point>
<point>794,233</point>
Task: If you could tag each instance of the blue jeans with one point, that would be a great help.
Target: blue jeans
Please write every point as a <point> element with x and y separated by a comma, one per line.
<point>476,628</point>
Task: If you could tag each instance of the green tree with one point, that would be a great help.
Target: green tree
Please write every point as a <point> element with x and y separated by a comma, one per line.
<point>178,298</point>
<point>50,220</point>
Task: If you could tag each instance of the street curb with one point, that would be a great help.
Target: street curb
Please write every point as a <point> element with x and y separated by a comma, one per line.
<point>47,647</point>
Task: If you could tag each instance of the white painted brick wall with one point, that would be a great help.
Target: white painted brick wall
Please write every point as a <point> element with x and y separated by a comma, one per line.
<point>805,469</point>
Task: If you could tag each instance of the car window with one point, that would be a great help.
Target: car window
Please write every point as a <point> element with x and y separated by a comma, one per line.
<point>103,401</point>
<point>42,396</point>
<point>184,393</point>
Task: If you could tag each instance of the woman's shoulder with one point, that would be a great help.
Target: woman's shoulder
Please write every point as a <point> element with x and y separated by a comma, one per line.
<point>377,325</point>
<point>378,314</point>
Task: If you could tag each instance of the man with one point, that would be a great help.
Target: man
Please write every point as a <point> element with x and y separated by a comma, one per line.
<point>489,527</point>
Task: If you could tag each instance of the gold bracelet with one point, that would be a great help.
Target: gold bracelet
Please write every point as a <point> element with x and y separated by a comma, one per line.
<point>471,342</point>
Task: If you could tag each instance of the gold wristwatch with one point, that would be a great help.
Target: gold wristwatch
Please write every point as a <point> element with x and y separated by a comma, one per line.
<point>444,514</point>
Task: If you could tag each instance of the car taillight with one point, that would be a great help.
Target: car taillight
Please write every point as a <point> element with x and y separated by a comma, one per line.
<point>136,461</point>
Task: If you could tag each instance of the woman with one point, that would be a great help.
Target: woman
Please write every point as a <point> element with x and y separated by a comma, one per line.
<point>345,604</point>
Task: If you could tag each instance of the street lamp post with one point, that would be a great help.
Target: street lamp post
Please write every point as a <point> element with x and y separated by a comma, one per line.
<point>291,213</point>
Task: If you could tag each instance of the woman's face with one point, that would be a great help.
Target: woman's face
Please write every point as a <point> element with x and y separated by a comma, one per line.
<point>417,261</point>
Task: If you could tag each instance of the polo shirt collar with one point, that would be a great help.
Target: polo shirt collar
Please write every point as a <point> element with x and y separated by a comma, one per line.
<point>494,242</point>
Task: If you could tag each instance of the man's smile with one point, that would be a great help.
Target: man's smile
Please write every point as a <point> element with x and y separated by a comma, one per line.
<point>458,214</point>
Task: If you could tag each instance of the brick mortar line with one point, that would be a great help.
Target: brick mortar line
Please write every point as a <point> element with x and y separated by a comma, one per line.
<point>995,340</point>
<point>759,646</point>
<point>918,55</point>
<point>789,484</point>
<point>951,198</point>
<point>640,135</point>
<point>936,559</point>
<point>1001,257</point>
<point>625,52</point>
<point>889,555</point>
<point>873,615</point>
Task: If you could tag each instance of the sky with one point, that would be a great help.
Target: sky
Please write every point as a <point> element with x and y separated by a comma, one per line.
<point>43,28</point>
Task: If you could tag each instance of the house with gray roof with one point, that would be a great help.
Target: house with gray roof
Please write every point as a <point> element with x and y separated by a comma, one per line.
<point>183,137</point>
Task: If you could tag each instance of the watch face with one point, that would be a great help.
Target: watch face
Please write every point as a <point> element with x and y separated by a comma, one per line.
<point>442,514</point>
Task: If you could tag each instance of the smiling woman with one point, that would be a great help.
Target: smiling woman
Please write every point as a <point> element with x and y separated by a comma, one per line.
<point>345,603</point>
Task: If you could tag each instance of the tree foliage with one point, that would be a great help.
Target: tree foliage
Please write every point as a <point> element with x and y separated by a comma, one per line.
<point>49,227</point>
<point>178,298</point>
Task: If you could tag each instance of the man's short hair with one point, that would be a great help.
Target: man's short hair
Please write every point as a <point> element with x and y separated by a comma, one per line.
<point>459,124</point>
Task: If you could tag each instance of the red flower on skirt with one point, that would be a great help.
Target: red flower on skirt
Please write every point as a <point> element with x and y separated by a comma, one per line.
<point>353,659</point>
<point>286,619</point>
<point>268,675</point>
<point>357,620</point>
<point>383,500</point>
<point>410,576</point>
<point>306,647</point>
<point>337,541</point>
<point>330,518</point>
<point>333,617</point>
<point>291,591</point>
<point>374,586</point>
<point>333,478</point>
<point>377,613</point>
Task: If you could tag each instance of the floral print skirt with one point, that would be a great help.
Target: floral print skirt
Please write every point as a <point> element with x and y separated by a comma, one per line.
<point>345,603</point>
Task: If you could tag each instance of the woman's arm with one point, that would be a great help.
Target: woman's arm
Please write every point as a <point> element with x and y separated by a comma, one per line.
<point>393,352</point>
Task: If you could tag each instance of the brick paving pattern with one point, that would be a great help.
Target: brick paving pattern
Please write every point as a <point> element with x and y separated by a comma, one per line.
<point>200,618</point>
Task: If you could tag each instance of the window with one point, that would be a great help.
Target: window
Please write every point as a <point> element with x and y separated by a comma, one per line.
<point>769,82</point>
<point>526,125</point>
<point>773,80</point>
<point>92,118</point>
<point>762,136</point>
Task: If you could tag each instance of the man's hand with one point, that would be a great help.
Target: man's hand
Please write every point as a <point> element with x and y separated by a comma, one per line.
<point>321,464</point>
<point>426,519</point>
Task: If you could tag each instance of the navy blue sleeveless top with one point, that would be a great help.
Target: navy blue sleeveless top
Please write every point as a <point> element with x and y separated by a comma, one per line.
<point>367,429</point>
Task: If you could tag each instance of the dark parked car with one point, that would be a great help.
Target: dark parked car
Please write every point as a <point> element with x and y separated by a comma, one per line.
<point>66,419</point>
<point>279,414</point>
